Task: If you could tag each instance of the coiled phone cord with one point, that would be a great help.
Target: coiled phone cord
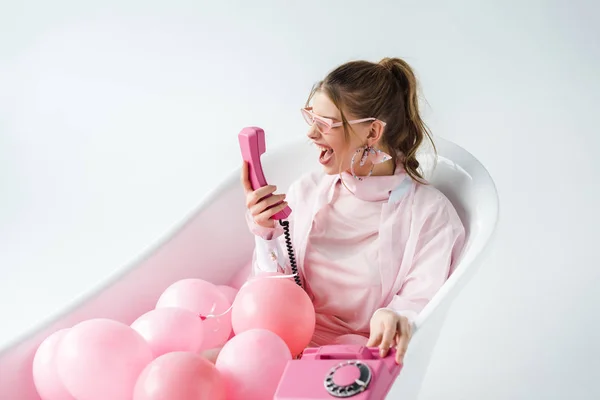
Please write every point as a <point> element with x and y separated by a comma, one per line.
<point>290,250</point>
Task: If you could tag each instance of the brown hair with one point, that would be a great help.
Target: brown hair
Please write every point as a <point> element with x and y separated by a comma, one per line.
<point>387,91</point>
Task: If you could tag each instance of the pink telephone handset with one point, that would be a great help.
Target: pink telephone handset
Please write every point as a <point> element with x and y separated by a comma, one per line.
<point>338,371</point>
<point>252,144</point>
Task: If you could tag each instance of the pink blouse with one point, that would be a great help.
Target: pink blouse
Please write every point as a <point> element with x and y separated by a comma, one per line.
<point>385,241</point>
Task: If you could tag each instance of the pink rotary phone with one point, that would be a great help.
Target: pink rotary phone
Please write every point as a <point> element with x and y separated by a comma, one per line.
<point>338,371</point>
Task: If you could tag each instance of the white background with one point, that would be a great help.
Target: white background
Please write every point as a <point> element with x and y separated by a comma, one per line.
<point>117,118</point>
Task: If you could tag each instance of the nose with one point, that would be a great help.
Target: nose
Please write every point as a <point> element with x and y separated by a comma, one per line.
<point>313,133</point>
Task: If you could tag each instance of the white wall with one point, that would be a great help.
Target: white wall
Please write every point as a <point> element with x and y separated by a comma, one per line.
<point>116,119</point>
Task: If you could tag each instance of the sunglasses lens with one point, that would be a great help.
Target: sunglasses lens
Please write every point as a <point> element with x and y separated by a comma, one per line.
<point>322,126</point>
<point>308,118</point>
<point>311,120</point>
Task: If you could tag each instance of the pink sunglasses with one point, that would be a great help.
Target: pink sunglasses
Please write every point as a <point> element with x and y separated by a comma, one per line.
<point>324,125</point>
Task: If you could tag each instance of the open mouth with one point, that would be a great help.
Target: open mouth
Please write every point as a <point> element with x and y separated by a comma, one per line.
<point>326,154</point>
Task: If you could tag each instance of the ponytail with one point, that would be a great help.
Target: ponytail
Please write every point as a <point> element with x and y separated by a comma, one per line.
<point>415,129</point>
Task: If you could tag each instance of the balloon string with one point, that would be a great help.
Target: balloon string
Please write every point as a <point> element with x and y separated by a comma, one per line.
<point>212,310</point>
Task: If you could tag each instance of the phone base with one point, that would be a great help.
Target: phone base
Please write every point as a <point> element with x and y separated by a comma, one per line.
<point>338,371</point>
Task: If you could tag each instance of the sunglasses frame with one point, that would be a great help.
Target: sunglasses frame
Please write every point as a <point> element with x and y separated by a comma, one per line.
<point>311,118</point>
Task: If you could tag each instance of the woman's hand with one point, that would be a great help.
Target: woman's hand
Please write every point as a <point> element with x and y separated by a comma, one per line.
<point>258,205</point>
<point>389,329</point>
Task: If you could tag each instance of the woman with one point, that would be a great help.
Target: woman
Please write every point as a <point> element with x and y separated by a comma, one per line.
<point>373,241</point>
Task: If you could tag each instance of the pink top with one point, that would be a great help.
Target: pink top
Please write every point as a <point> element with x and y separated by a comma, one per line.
<point>391,243</point>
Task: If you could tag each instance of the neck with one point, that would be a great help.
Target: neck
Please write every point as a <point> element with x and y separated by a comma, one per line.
<point>384,169</point>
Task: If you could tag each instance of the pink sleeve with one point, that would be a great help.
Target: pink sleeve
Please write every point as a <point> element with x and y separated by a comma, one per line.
<point>439,244</point>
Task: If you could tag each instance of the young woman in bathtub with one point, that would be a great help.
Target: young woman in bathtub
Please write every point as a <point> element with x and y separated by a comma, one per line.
<point>373,241</point>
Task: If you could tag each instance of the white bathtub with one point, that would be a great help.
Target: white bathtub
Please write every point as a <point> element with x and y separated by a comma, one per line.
<point>214,244</point>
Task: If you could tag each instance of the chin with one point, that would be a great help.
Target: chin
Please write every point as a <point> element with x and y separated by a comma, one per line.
<point>332,169</point>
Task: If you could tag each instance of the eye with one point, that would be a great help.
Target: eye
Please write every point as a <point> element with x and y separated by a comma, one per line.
<point>322,125</point>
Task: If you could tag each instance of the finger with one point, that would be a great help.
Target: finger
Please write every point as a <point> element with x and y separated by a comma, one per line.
<point>272,211</point>
<point>263,205</point>
<point>270,201</point>
<point>399,350</point>
<point>267,214</point>
<point>405,332</point>
<point>265,191</point>
<point>397,339</point>
<point>375,338</point>
<point>254,196</point>
<point>244,178</point>
<point>388,336</point>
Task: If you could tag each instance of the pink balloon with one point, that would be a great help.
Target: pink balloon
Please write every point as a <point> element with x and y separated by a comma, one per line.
<point>252,364</point>
<point>101,359</point>
<point>229,292</point>
<point>278,305</point>
<point>181,376</point>
<point>171,329</point>
<point>45,375</point>
<point>201,297</point>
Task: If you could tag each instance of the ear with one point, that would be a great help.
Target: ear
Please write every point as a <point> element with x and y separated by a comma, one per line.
<point>375,133</point>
